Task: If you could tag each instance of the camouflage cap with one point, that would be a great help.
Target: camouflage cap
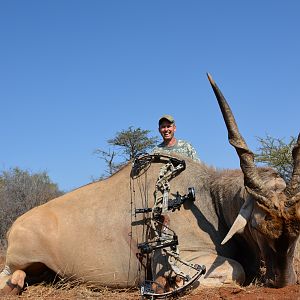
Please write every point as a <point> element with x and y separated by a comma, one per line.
<point>166,117</point>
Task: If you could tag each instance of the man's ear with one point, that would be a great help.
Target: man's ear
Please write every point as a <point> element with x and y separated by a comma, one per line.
<point>174,126</point>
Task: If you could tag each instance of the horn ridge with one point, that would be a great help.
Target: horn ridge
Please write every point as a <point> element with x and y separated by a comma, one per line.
<point>251,176</point>
<point>293,186</point>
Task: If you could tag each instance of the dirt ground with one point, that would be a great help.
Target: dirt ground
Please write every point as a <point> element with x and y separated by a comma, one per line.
<point>253,292</point>
<point>66,291</point>
<point>81,292</point>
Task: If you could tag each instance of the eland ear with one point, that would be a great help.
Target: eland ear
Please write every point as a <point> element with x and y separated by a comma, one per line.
<point>241,220</point>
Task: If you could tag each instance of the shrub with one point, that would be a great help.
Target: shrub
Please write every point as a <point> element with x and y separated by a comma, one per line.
<point>20,191</point>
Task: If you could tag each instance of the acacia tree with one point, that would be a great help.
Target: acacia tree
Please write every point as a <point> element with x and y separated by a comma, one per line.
<point>275,153</point>
<point>108,157</point>
<point>125,146</point>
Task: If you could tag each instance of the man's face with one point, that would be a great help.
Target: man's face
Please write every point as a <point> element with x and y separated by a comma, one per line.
<point>167,130</point>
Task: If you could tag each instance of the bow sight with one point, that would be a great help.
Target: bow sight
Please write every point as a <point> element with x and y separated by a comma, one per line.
<point>161,239</point>
<point>173,204</point>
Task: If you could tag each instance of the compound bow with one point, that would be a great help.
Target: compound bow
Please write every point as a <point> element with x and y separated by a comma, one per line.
<point>163,238</point>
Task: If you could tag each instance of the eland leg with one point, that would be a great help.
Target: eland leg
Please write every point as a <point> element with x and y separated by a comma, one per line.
<point>11,284</point>
<point>220,270</point>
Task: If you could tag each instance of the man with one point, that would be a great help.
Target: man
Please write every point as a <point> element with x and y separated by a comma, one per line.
<point>167,129</point>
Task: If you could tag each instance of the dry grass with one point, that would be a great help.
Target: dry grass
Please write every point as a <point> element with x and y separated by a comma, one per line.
<point>80,291</point>
<point>73,290</point>
<point>67,291</point>
<point>76,290</point>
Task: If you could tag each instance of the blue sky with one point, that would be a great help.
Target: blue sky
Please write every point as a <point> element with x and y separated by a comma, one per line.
<point>73,73</point>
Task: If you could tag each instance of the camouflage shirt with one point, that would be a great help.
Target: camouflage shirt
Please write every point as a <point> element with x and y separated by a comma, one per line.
<point>181,147</point>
